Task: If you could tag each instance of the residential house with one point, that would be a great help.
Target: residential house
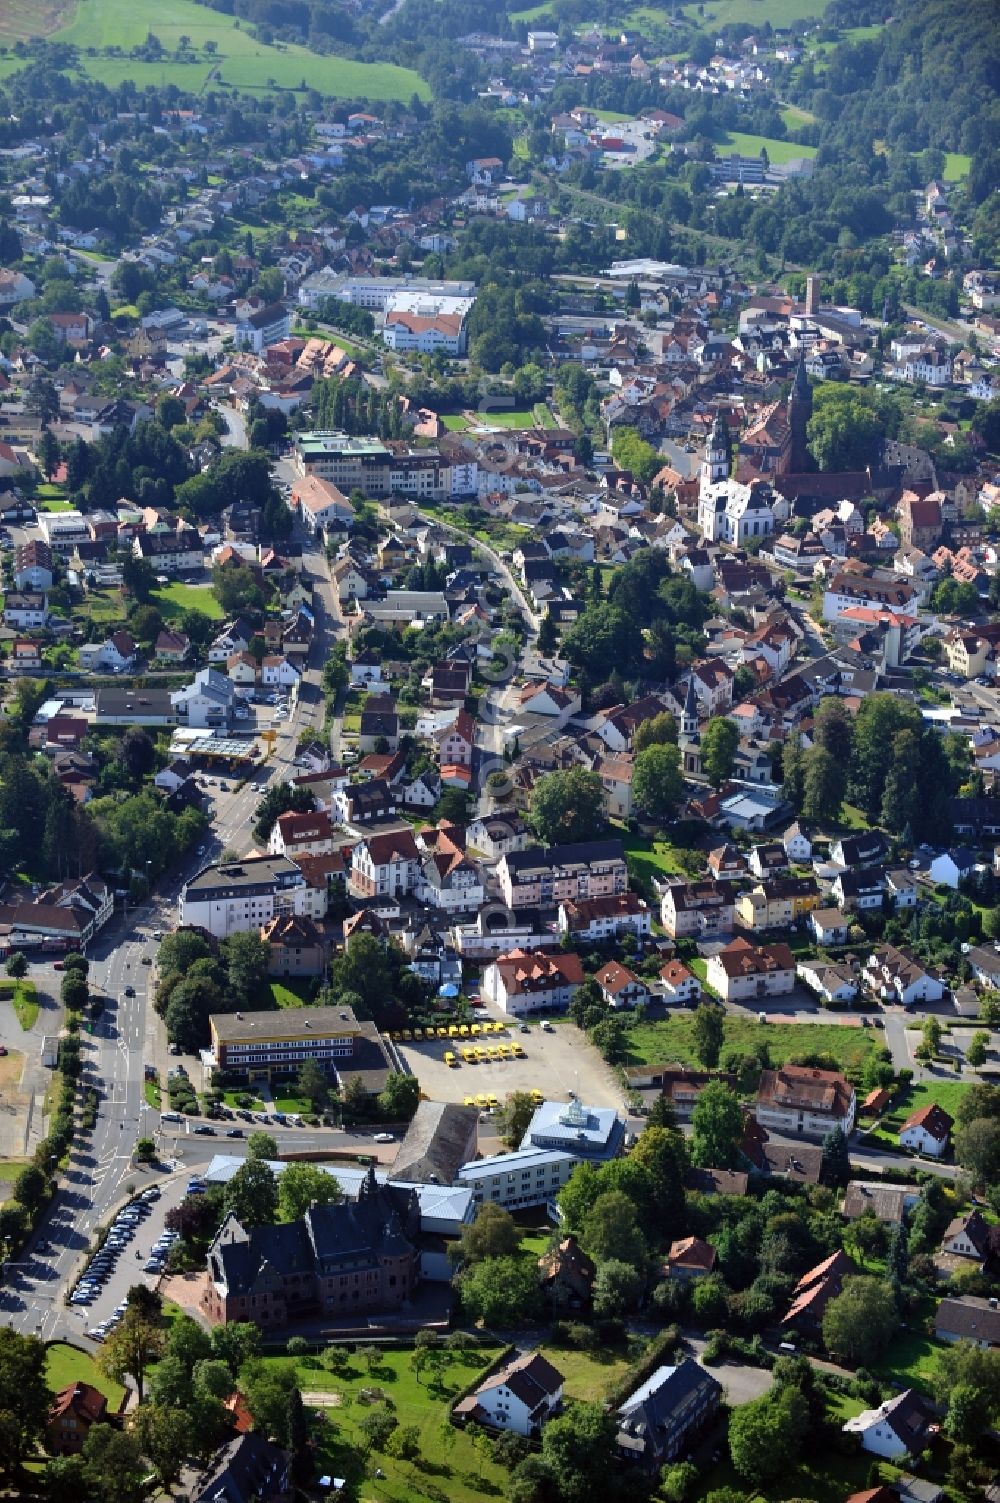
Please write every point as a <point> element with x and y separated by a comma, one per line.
<point>592,920</point>
<point>363,803</point>
<point>899,1427</point>
<point>207,702</point>
<point>968,1236</point>
<point>776,904</point>
<point>678,985</point>
<point>385,866</point>
<point>171,646</point>
<point>815,1290</point>
<point>621,987</point>
<point>742,971</point>
<point>25,610</point>
<point>297,947</point>
<point>859,890</point>
<point>567,1275</point>
<point>894,975</point>
<point>379,722</point>
<point>829,927</point>
<point>524,981</point>
<point>927,1131</point>
<point>495,835</point>
<point>520,1397</point>
<point>827,980</point>
<point>690,1258</point>
<point>802,1101</point>
<point>456,744</point>
<point>72,1415</point>
<point>970,1319</point>
<point>768,860</point>
<point>248,1469</point>
<point>726,863</point>
<point>698,909</point>
<point>867,849</point>
<point>306,834</point>
<point>890,1204</point>
<point>659,1420</point>
<point>951,866</point>
<point>798,846</point>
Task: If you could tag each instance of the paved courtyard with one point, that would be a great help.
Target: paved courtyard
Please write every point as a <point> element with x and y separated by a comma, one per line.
<point>557,1063</point>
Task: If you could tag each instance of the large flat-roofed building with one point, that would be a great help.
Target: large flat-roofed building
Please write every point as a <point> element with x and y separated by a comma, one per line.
<point>380,469</point>
<point>234,897</point>
<point>279,1042</point>
<point>376,293</point>
<point>596,1133</point>
<point>527,1177</point>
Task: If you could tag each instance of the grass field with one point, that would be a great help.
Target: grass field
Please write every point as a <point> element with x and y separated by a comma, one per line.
<point>533,13</point>
<point>240,60</point>
<point>455,422</point>
<point>21,20</point>
<point>23,997</point>
<point>506,419</point>
<point>65,1364</point>
<point>956,166</point>
<point>673,1039</point>
<point>176,597</point>
<point>794,117</point>
<point>650,858</point>
<point>755,12</point>
<point>151,1093</point>
<point>913,1357</point>
<point>751,146</point>
<point>589,1375</point>
<point>448,1467</point>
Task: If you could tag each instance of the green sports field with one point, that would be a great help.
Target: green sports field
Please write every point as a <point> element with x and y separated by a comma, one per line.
<point>239,60</point>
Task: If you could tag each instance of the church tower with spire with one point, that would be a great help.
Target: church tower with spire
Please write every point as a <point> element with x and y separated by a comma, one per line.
<point>715,465</point>
<point>689,740</point>
<point>800,406</point>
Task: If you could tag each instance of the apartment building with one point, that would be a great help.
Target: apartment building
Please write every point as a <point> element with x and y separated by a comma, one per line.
<point>550,875</point>
<point>797,1099</point>
<point>380,469</point>
<point>742,971</point>
<point>235,897</point>
<point>698,909</point>
<point>527,981</point>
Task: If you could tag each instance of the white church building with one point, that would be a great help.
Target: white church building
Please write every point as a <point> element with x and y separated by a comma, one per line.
<point>729,512</point>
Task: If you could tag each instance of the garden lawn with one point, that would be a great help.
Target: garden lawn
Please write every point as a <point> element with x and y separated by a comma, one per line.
<point>101,605</point>
<point>650,858</point>
<point>240,60</point>
<point>288,994</point>
<point>455,422</point>
<point>673,1039</point>
<point>912,1358</point>
<point>589,1375</point>
<point>65,1364</point>
<point>23,997</point>
<point>448,1467</point>
<point>170,600</point>
<point>946,1094</point>
<point>750,146</point>
<point>52,498</point>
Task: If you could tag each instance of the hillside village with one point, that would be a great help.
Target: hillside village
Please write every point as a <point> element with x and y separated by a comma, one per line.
<point>501,723</point>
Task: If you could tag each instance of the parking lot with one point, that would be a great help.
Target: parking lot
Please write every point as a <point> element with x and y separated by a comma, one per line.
<point>558,1064</point>
<point>128,1267</point>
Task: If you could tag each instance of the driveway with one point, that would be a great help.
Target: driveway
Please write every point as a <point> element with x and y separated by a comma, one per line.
<point>740,1382</point>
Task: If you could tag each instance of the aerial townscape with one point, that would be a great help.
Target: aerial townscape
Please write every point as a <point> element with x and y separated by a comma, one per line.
<point>500,751</point>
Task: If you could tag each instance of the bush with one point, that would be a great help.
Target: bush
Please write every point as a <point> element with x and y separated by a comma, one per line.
<point>297,1346</point>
